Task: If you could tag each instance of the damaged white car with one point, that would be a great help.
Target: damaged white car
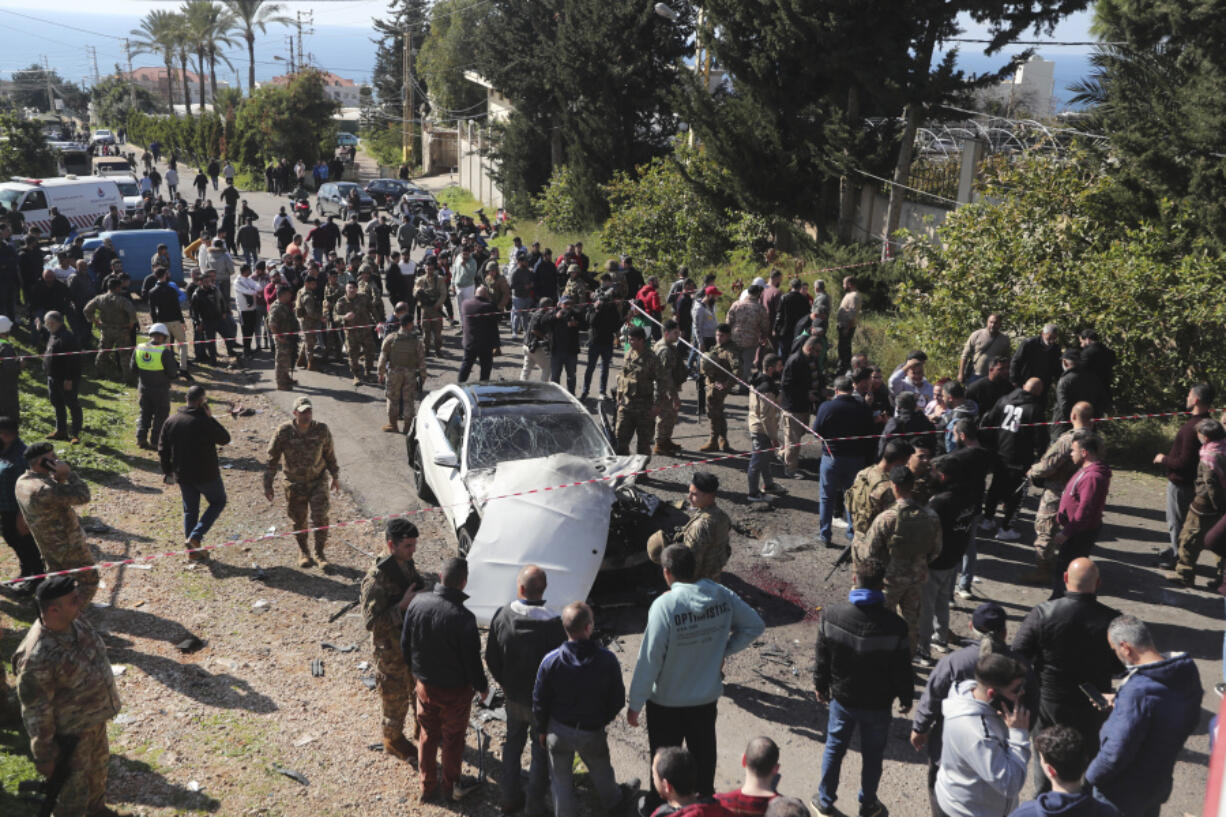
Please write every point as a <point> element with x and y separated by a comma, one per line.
<point>484,451</point>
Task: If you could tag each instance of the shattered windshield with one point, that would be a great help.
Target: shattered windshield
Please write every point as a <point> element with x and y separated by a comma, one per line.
<point>496,438</point>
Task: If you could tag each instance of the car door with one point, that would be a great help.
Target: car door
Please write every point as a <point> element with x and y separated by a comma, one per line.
<point>442,436</point>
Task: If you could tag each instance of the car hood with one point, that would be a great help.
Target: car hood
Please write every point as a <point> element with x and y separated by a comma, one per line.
<point>563,531</point>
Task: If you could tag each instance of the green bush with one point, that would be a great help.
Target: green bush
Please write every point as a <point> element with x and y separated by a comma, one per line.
<point>1044,245</point>
<point>558,204</point>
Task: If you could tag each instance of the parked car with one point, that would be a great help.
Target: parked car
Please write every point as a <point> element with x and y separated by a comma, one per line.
<point>72,159</point>
<point>333,200</point>
<point>113,166</point>
<point>482,451</point>
<point>102,136</point>
<point>386,192</point>
<point>345,139</point>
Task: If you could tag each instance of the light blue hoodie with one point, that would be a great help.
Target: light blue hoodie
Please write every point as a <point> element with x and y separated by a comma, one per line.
<point>690,629</point>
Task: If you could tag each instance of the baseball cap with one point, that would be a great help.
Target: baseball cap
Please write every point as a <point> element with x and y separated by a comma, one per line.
<point>989,617</point>
<point>302,403</point>
<point>711,290</point>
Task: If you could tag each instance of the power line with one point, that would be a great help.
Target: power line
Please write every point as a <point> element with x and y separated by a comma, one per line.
<point>1055,43</point>
<point>61,24</point>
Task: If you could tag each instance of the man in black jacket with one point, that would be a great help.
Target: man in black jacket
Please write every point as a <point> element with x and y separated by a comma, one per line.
<point>1012,424</point>
<point>1099,360</point>
<point>521,634</point>
<point>863,664</point>
<point>1037,357</point>
<point>796,399</point>
<point>605,322</point>
<point>1077,384</point>
<point>1065,641</point>
<point>188,452</point>
<point>793,306</point>
<point>986,392</point>
<point>63,376</point>
<point>480,334</point>
<point>443,648</point>
<point>564,326</point>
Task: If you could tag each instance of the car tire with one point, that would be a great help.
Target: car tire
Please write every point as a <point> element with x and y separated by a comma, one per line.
<point>466,533</point>
<point>419,476</point>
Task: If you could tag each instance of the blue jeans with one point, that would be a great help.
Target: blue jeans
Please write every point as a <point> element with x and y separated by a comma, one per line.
<point>518,318</point>
<point>520,731</point>
<point>874,731</point>
<point>604,353</point>
<point>837,475</point>
<point>196,526</point>
<point>967,572</point>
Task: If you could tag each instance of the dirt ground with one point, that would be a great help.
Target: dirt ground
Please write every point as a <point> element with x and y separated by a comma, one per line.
<point>210,731</point>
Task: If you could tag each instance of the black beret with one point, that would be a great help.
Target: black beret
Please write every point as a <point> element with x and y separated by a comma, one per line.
<point>53,588</point>
<point>705,481</point>
<point>37,450</point>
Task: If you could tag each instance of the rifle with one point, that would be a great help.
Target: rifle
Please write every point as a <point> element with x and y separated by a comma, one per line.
<point>59,775</point>
<point>843,559</point>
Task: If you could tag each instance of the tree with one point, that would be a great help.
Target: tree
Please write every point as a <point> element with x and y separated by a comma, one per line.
<point>112,99</point>
<point>1158,98</point>
<point>158,34</point>
<point>293,122</point>
<point>445,53</point>
<point>388,75</point>
<point>247,16</point>
<point>30,90</point>
<point>601,98</point>
<point>1047,243</point>
<point>208,25</point>
<point>24,150</point>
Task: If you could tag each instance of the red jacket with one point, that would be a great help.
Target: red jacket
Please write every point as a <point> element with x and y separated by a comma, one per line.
<point>705,807</point>
<point>1083,500</point>
<point>649,297</point>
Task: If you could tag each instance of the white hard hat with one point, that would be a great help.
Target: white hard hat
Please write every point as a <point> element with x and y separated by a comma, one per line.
<point>6,325</point>
<point>159,329</point>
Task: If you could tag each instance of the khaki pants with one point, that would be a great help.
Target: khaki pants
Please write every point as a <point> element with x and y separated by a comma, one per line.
<point>85,789</point>
<point>397,689</point>
<point>908,598</point>
<point>536,359</point>
<point>794,432</point>
<point>178,334</point>
<point>634,421</point>
<point>312,496</point>
<point>401,394</point>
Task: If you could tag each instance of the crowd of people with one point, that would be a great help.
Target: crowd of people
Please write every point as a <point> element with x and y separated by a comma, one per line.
<point>912,472</point>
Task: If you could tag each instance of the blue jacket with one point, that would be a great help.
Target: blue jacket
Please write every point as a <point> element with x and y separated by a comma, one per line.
<point>690,629</point>
<point>1155,711</point>
<point>580,685</point>
<point>845,416</point>
<point>1059,804</point>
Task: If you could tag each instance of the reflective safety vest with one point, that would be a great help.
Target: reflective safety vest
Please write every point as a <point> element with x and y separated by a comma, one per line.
<point>149,357</point>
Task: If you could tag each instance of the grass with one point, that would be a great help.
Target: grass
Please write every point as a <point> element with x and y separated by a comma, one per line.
<point>464,203</point>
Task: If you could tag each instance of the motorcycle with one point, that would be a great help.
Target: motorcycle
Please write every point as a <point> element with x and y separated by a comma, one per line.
<point>301,208</point>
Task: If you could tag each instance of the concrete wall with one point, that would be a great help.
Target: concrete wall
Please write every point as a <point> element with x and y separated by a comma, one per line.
<point>475,169</point>
<point>439,151</point>
<point>870,216</point>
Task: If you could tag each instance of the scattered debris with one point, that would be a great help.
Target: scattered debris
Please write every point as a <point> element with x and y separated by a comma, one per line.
<point>772,549</point>
<point>261,606</point>
<point>140,566</point>
<point>189,644</point>
<point>259,575</point>
<point>375,747</point>
<point>297,777</point>
<point>363,666</point>
<point>125,718</point>
<point>328,645</point>
<point>96,527</point>
<point>317,667</point>
<point>193,785</point>
<point>118,669</point>
<point>349,606</point>
<point>369,680</point>
<point>304,740</point>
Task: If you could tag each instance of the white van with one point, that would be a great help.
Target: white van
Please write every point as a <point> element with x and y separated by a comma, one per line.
<point>82,199</point>
<point>129,188</point>
<point>112,166</point>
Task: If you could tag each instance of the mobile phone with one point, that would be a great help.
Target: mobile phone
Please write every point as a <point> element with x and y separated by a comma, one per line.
<point>1095,696</point>
<point>1002,704</point>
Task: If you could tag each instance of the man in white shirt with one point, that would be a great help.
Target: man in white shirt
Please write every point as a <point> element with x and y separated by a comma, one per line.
<point>445,215</point>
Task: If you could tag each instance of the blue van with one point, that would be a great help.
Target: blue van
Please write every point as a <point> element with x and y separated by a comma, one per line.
<point>136,249</point>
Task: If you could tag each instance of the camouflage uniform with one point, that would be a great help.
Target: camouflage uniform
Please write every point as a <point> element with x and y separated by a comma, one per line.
<point>1207,506</point>
<point>116,316</point>
<point>1055,469</point>
<point>707,534</point>
<point>430,292</point>
<point>46,505</point>
<point>726,357</point>
<point>375,294</point>
<point>310,314</point>
<point>577,289</point>
<point>870,493</point>
<point>309,459</point>
<point>500,291</point>
<point>923,489</point>
<point>332,338</point>
<point>284,326</point>
<point>404,356</point>
<point>67,688</point>
<point>906,537</point>
<point>357,331</point>
<point>382,589</point>
<point>672,361</point>
<point>641,386</point>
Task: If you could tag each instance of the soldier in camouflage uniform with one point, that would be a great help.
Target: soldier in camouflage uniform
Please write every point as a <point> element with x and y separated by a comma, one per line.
<point>871,492</point>
<point>387,589</point>
<point>333,290</point>
<point>576,287</point>
<point>402,359</point>
<point>672,360</point>
<point>1207,506</point>
<point>706,533</point>
<point>906,537</point>
<point>310,314</point>
<point>1054,469</point>
<point>67,691</point>
<point>430,293</point>
<point>309,459</point>
<point>114,313</point>
<point>46,493</point>
<point>642,386</point>
<point>719,365</point>
<point>355,312</point>
<point>284,327</point>
<point>920,464</point>
<point>368,285</point>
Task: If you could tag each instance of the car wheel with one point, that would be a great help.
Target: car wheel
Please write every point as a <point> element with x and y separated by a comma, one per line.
<point>419,476</point>
<point>465,535</point>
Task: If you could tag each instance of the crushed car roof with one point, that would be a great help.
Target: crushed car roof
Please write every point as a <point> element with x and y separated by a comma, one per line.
<point>492,395</point>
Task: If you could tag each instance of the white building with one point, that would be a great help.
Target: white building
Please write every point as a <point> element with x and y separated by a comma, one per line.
<point>1030,92</point>
<point>345,91</point>
<point>153,80</point>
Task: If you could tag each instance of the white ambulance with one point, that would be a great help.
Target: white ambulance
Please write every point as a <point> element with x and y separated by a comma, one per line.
<point>83,200</point>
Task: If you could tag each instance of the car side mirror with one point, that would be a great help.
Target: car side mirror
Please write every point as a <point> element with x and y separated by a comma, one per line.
<point>446,460</point>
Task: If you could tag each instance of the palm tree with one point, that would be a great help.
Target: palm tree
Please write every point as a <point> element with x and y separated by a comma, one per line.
<point>156,35</point>
<point>183,52</point>
<point>207,26</point>
<point>248,15</point>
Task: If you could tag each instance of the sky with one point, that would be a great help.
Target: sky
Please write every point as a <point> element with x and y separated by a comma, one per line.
<point>339,43</point>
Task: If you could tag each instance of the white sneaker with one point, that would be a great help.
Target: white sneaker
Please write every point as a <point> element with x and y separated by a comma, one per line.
<point>963,593</point>
<point>1007,535</point>
<point>839,522</point>
<point>986,525</point>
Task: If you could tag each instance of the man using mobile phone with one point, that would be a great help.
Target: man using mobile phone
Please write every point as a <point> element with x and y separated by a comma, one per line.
<point>46,494</point>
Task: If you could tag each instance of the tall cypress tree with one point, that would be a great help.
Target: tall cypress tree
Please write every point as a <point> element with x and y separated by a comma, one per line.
<point>387,76</point>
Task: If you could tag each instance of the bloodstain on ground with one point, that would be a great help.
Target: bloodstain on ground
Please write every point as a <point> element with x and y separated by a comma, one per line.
<point>777,600</point>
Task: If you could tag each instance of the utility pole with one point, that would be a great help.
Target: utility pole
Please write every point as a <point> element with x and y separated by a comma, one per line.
<point>290,40</point>
<point>406,112</point>
<point>304,18</point>
<point>50,90</point>
<point>93,56</point>
<point>127,47</point>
